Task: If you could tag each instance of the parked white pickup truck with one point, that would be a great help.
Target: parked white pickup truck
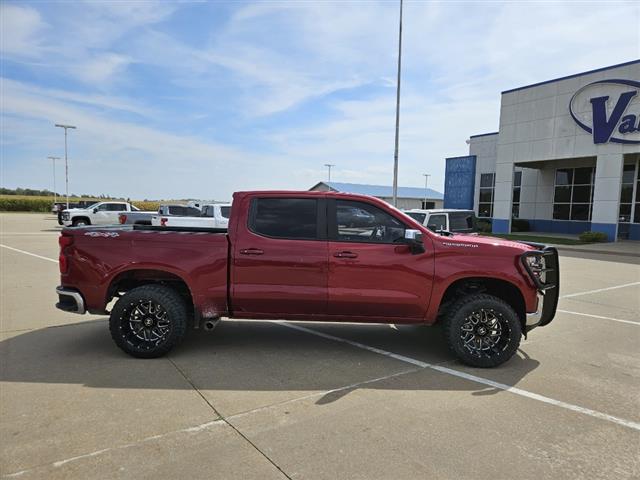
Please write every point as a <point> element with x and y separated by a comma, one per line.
<point>214,215</point>
<point>101,213</point>
<point>445,220</point>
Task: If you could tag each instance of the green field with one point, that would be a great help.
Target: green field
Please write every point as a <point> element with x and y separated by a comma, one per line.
<point>29,203</point>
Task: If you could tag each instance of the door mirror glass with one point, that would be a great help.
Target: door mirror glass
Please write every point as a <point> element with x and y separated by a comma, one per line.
<point>95,210</point>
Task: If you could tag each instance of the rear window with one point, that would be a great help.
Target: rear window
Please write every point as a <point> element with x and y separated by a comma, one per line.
<point>184,211</point>
<point>226,212</point>
<point>461,221</point>
<point>417,216</point>
<point>295,218</point>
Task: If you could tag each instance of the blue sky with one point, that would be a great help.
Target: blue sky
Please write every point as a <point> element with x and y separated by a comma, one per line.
<point>200,99</point>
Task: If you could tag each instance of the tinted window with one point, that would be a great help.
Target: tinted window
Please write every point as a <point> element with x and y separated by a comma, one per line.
<point>116,207</point>
<point>417,216</point>
<point>361,222</point>
<point>285,217</point>
<point>184,211</point>
<point>225,212</point>
<point>460,221</point>
<point>207,211</point>
<point>486,180</point>
<point>517,179</point>
<point>437,222</point>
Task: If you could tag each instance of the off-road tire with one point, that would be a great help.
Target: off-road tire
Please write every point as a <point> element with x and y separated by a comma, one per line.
<point>80,222</point>
<point>461,315</point>
<point>123,333</point>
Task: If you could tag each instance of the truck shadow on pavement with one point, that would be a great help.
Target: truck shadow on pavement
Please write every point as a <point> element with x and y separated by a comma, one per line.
<point>250,356</point>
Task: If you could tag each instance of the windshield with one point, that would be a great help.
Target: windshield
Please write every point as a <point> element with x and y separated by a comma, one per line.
<point>134,208</point>
<point>417,216</point>
<point>93,205</point>
<point>461,221</point>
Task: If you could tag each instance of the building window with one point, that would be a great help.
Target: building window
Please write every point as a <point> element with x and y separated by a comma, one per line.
<point>428,205</point>
<point>573,196</point>
<point>629,196</point>
<point>515,205</point>
<point>487,186</point>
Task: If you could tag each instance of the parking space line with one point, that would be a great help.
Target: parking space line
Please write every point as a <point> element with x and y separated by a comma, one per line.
<point>600,316</point>
<point>29,253</point>
<point>473,378</point>
<point>600,290</point>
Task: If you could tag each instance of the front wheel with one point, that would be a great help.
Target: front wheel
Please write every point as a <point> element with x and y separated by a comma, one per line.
<point>482,330</point>
<point>80,222</point>
<point>148,321</point>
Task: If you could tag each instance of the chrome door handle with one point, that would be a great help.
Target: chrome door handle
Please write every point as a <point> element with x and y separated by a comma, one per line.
<point>345,255</point>
<point>251,251</point>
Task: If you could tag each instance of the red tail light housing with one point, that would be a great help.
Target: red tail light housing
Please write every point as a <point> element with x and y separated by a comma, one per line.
<point>64,241</point>
<point>122,218</point>
<point>163,221</point>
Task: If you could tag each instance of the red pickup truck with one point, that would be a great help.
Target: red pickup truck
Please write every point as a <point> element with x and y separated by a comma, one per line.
<point>320,256</point>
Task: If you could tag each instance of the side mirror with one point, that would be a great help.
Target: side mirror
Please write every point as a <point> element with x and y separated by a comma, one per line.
<point>414,240</point>
<point>95,210</point>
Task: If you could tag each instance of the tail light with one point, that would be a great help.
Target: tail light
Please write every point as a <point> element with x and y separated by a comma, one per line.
<point>64,241</point>
<point>122,218</point>
<point>163,221</point>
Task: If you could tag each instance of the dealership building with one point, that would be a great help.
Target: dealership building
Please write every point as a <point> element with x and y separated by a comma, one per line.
<point>565,157</point>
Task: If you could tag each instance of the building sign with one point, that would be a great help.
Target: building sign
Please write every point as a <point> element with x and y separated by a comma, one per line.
<point>459,183</point>
<point>609,110</point>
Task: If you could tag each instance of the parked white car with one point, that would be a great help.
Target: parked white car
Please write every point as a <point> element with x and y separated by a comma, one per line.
<point>101,213</point>
<point>449,220</point>
<point>214,215</point>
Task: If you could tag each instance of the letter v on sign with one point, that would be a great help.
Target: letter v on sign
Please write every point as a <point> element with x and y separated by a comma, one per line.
<point>602,127</point>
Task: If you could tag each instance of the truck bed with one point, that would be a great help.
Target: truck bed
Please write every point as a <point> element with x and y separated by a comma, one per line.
<point>101,258</point>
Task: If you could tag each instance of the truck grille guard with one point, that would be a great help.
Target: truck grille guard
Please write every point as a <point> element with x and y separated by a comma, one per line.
<point>544,272</point>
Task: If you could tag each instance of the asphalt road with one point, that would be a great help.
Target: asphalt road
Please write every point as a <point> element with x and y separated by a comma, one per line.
<point>293,400</point>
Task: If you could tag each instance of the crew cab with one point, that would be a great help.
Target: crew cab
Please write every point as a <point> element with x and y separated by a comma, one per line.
<point>300,256</point>
<point>100,213</point>
<point>445,219</point>
<point>213,215</point>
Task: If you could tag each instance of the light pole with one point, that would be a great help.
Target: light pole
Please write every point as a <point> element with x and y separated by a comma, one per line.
<point>426,190</point>
<point>53,162</point>
<point>66,163</point>
<point>395,154</point>
<point>329,165</point>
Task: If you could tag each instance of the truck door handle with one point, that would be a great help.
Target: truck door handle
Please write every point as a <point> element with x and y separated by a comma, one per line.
<point>251,251</point>
<point>345,254</point>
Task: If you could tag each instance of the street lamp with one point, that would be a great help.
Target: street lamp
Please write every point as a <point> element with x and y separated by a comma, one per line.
<point>53,162</point>
<point>66,163</point>
<point>329,165</point>
<point>395,154</point>
<point>426,190</point>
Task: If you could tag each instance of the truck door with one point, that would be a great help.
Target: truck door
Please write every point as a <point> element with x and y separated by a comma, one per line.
<point>107,213</point>
<point>372,272</point>
<point>280,259</point>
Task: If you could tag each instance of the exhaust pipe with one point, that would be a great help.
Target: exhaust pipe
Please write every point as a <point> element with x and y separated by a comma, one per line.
<point>210,325</point>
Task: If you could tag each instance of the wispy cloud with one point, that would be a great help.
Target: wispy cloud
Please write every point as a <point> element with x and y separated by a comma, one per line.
<point>200,99</point>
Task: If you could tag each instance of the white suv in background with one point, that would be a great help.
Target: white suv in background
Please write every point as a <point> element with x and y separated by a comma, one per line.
<point>448,220</point>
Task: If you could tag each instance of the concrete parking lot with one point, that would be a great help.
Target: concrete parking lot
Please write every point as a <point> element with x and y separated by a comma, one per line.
<point>293,400</point>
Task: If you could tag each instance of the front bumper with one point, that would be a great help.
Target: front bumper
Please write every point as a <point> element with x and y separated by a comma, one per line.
<point>547,281</point>
<point>70,300</point>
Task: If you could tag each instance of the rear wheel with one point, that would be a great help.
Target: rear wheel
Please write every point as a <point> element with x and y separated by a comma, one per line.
<point>482,330</point>
<point>148,321</point>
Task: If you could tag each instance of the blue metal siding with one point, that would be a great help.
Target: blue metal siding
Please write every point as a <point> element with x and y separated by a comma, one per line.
<point>459,182</point>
